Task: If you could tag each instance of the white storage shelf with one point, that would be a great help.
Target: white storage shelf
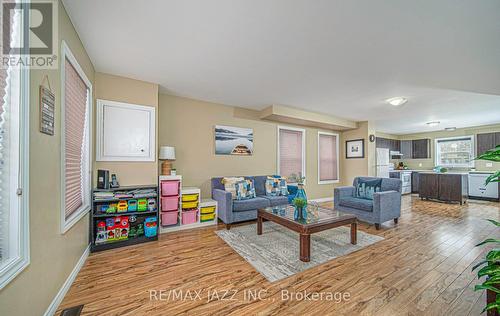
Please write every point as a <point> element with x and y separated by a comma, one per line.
<point>201,203</point>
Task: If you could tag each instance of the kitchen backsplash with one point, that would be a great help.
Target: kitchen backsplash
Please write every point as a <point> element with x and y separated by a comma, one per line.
<point>428,164</point>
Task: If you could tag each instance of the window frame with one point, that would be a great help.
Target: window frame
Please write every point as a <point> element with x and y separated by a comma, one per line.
<point>296,129</point>
<point>338,158</point>
<point>437,152</point>
<point>12,268</point>
<point>66,224</point>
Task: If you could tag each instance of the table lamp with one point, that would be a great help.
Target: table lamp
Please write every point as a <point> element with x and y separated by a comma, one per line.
<point>167,154</point>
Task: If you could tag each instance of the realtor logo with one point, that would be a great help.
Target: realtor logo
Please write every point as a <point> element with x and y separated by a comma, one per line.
<point>29,34</point>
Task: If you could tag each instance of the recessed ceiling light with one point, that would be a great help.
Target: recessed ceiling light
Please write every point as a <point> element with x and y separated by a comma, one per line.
<point>450,129</point>
<point>434,123</point>
<point>397,101</point>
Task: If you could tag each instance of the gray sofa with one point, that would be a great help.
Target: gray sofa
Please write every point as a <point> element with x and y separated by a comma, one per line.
<point>232,211</point>
<point>386,205</point>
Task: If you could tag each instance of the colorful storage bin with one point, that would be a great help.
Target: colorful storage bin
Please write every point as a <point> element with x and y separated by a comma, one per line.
<point>170,188</point>
<point>189,205</point>
<point>207,209</point>
<point>189,217</point>
<point>189,197</point>
<point>168,218</point>
<point>207,217</point>
<point>169,203</point>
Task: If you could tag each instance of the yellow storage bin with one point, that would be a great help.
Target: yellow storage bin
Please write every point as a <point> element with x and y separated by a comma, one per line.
<point>189,197</point>
<point>207,217</point>
<point>207,209</point>
<point>186,205</point>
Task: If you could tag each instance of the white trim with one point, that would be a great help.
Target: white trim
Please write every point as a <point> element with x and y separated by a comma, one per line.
<point>280,127</point>
<point>51,310</point>
<point>322,200</point>
<point>100,130</point>
<point>437,152</point>
<point>66,224</point>
<point>9,271</point>
<point>338,159</point>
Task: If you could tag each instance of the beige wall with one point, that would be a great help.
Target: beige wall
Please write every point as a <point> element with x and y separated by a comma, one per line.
<point>188,125</point>
<point>354,167</point>
<point>429,163</point>
<point>53,255</point>
<point>115,88</point>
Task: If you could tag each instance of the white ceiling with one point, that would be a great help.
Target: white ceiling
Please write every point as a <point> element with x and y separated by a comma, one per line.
<point>337,57</point>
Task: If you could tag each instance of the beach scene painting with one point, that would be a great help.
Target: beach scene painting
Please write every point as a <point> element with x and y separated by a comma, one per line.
<point>231,140</point>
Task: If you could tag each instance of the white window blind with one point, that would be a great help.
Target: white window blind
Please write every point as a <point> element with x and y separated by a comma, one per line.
<point>14,101</point>
<point>328,158</point>
<point>76,139</point>
<point>291,152</point>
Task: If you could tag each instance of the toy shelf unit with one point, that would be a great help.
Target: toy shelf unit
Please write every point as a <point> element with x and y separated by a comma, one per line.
<point>182,207</point>
<point>123,216</point>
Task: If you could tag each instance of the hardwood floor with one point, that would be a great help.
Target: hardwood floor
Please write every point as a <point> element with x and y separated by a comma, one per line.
<point>423,267</point>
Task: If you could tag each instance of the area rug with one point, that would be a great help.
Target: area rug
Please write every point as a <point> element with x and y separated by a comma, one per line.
<point>275,253</point>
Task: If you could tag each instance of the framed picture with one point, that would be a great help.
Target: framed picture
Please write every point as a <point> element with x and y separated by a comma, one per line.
<point>355,148</point>
<point>47,110</point>
<point>231,140</point>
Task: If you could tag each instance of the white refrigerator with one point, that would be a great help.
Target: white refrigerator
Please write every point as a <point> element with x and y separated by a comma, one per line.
<point>383,162</point>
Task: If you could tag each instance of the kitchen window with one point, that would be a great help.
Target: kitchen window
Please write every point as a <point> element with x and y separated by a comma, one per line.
<point>76,97</point>
<point>291,151</point>
<point>455,152</point>
<point>328,158</point>
<point>14,142</point>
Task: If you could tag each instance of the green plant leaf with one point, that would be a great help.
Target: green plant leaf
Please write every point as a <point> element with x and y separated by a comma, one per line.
<point>493,281</point>
<point>491,155</point>
<point>493,255</point>
<point>488,241</point>
<point>479,287</point>
<point>493,178</point>
<point>494,222</point>
<point>491,306</point>
<point>488,270</point>
<point>479,264</point>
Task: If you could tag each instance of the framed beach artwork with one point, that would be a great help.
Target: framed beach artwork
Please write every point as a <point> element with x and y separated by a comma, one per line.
<point>230,140</point>
<point>355,148</point>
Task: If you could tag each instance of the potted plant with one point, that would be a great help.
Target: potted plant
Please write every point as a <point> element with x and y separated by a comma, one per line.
<point>490,266</point>
<point>300,204</point>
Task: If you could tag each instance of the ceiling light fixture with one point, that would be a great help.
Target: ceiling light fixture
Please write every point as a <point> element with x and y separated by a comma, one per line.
<point>450,129</point>
<point>397,101</point>
<point>434,123</point>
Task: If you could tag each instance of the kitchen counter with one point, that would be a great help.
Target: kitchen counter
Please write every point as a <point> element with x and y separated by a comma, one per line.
<point>446,187</point>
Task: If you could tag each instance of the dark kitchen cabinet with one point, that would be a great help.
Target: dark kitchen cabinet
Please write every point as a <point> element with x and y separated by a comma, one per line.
<point>391,144</point>
<point>486,141</point>
<point>443,187</point>
<point>406,149</point>
<point>421,148</point>
<point>414,182</point>
<point>428,186</point>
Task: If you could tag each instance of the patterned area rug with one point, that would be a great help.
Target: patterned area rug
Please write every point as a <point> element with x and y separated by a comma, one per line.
<point>275,253</point>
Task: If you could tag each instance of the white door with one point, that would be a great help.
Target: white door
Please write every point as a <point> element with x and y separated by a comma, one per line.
<point>382,156</point>
<point>125,132</point>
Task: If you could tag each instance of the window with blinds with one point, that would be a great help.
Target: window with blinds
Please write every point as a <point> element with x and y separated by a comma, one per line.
<point>14,222</point>
<point>328,158</point>
<point>76,142</point>
<point>455,152</point>
<point>291,157</point>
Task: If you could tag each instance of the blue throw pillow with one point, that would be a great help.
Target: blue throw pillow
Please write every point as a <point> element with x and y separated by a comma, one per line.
<point>244,190</point>
<point>366,188</point>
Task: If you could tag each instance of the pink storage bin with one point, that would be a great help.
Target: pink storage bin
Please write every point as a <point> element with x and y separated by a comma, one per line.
<point>170,188</point>
<point>168,218</point>
<point>189,217</point>
<point>169,203</point>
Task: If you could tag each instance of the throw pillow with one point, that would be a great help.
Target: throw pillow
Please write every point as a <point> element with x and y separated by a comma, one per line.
<point>276,186</point>
<point>245,190</point>
<point>366,188</point>
<point>229,184</point>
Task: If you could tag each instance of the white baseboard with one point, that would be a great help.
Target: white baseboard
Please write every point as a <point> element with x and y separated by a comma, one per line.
<point>67,284</point>
<point>322,200</point>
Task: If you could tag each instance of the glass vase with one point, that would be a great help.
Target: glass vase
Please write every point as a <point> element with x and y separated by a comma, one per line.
<point>301,194</point>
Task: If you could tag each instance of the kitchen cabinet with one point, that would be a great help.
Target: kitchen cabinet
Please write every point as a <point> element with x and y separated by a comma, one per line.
<point>391,144</point>
<point>421,148</point>
<point>442,186</point>
<point>486,141</point>
<point>414,182</point>
<point>406,149</point>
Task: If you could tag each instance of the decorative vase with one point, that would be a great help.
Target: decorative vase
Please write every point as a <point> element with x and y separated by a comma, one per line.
<point>301,193</point>
<point>304,212</point>
<point>297,215</point>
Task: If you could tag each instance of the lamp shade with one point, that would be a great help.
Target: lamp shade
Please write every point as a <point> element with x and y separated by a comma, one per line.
<point>167,153</point>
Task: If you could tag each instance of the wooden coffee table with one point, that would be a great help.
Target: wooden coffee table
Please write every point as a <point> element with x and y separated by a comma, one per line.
<point>324,219</point>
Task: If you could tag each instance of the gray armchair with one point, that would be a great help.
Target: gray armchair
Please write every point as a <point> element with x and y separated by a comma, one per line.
<point>386,205</point>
